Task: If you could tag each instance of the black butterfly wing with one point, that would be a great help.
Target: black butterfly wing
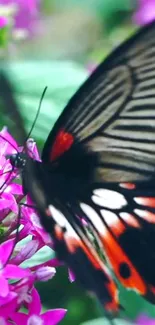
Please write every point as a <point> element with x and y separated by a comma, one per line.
<point>71,241</point>
<point>106,136</point>
<point>110,121</point>
<point>122,219</point>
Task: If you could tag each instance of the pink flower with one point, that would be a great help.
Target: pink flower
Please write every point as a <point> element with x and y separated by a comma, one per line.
<point>91,67</point>
<point>22,289</point>
<point>35,317</point>
<point>26,13</point>
<point>20,292</point>
<point>3,21</point>
<point>71,276</point>
<point>25,252</point>
<point>44,273</point>
<point>7,190</point>
<point>8,304</point>
<point>30,216</point>
<point>9,271</point>
<point>145,12</point>
<point>145,320</point>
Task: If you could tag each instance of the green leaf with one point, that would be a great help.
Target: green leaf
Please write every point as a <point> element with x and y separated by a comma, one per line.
<point>105,321</point>
<point>29,80</point>
<point>100,6</point>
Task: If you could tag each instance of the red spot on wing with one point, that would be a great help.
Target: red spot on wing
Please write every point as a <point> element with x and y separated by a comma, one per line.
<point>63,142</point>
<point>129,186</point>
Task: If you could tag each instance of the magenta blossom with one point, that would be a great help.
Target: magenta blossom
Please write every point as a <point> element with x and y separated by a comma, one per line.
<point>26,13</point>
<point>9,271</point>
<point>8,304</point>
<point>145,320</point>
<point>35,316</point>
<point>145,12</point>
<point>3,21</point>
<point>35,226</point>
<point>18,274</point>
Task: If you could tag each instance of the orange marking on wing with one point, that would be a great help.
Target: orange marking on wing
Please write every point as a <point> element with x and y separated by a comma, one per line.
<point>98,264</point>
<point>48,212</point>
<point>147,215</point>
<point>118,228</point>
<point>62,143</point>
<point>114,304</point>
<point>147,201</point>
<point>58,232</point>
<point>73,244</point>
<point>116,257</point>
<point>130,219</point>
<point>129,186</point>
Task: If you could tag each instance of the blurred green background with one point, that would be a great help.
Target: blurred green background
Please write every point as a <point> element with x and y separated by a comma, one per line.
<point>58,45</point>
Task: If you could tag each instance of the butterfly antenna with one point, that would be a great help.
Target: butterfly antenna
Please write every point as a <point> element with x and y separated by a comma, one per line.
<point>37,114</point>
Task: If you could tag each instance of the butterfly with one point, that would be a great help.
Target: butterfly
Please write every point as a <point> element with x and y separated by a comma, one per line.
<point>97,174</point>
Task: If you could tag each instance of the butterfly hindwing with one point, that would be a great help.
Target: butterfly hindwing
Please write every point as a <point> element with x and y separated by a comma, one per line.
<point>123,219</point>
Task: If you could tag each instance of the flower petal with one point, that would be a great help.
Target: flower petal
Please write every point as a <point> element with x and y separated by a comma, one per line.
<point>35,306</point>
<point>10,142</point>
<point>26,252</point>
<point>15,272</point>
<point>53,317</point>
<point>13,205</point>
<point>33,151</point>
<point>3,21</point>
<point>35,320</point>
<point>4,287</point>
<point>8,304</point>
<point>15,189</point>
<point>45,273</point>
<point>71,275</point>
<point>4,204</point>
<point>6,249</point>
<point>19,318</point>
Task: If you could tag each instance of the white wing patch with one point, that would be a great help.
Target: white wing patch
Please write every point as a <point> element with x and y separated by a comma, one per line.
<point>108,199</point>
<point>146,215</point>
<point>110,218</point>
<point>62,222</point>
<point>93,217</point>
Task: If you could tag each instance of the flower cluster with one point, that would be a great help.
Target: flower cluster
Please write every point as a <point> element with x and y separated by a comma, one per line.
<point>145,12</point>
<point>145,320</point>
<point>20,16</point>
<point>17,275</point>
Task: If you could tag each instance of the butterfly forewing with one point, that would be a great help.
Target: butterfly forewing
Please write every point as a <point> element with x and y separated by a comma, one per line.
<point>112,116</point>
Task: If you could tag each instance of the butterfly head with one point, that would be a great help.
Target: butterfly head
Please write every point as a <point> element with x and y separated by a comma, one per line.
<point>18,160</point>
